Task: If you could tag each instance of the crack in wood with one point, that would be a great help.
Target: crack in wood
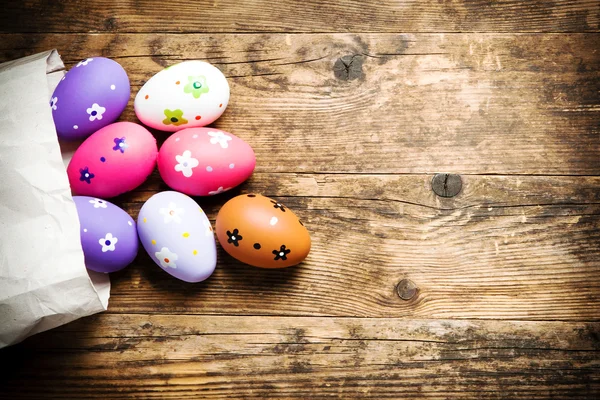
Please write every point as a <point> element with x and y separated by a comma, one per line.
<point>253,75</point>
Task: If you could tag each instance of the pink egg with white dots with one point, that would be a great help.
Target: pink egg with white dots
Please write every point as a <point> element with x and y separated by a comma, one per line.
<point>205,161</point>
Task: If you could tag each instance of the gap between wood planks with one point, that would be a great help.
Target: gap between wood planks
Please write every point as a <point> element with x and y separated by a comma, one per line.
<point>350,317</point>
<point>432,173</point>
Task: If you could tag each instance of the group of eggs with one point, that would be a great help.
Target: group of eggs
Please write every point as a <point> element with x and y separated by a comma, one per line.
<point>117,157</point>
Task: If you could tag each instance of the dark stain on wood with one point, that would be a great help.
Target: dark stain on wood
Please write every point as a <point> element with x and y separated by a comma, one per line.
<point>120,345</point>
<point>300,367</point>
<point>297,336</point>
<point>155,48</point>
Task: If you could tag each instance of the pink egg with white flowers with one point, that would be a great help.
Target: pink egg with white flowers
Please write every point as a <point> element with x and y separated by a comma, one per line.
<point>114,160</point>
<point>205,161</point>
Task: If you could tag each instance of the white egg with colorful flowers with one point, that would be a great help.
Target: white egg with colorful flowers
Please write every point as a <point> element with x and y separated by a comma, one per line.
<point>185,95</point>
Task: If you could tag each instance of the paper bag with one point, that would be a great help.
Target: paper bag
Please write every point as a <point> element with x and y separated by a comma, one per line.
<point>43,279</point>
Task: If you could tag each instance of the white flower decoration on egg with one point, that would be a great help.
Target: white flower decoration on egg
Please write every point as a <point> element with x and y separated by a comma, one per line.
<point>95,112</point>
<point>220,138</point>
<point>53,103</point>
<point>108,242</point>
<point>219,190</point>
<point>166,258</point>
<point>84,62</point>
<point>186,163</point>
<point>172,213</point>
<point>98,203</point>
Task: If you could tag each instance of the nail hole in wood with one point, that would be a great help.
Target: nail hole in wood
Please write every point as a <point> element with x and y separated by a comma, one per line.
<point>407,289</point>
<point>446,185</point>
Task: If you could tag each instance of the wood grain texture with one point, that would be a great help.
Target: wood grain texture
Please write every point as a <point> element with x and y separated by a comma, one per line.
<point>463,103</point>
<point>219,357</point>
<point>228,16</point>
<point>507,247</point>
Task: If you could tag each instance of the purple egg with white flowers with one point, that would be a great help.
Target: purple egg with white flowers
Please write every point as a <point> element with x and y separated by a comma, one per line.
<point>90,96</point>
<point>108,234</point>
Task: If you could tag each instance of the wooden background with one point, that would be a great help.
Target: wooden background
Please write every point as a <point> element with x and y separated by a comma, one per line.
<point>351,107</point>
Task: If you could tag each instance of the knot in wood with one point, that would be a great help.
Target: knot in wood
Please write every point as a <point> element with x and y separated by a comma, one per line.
<point>348,67</point>
<point>446,185</point>
<point>407,289</point>
<point>110,24</point>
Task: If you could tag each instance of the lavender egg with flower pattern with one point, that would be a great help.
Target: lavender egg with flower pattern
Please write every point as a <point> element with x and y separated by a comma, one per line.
<point>90,96</point>
<point>108,234</point>
<point>178,236</point>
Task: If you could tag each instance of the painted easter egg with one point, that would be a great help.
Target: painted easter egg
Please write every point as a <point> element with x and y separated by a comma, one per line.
<point>262,232</point>
<point>205,162</point>
<point>116,159</point>
<point>184,95</point>
<point>178,236</point>
<point>108,234</point>
<point>90,96</point>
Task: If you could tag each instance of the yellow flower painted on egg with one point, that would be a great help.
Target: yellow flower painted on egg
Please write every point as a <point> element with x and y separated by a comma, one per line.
<point>174,117</point>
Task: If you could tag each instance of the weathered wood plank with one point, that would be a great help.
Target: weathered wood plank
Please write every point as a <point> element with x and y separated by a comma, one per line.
<point>306,16</point>
<point>464,103</point>
<point>218,357</point>
<point>478,193</point>
<point>507,247</point>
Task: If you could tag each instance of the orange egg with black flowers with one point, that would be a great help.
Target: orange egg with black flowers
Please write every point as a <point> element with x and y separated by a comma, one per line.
<point>262,232</point>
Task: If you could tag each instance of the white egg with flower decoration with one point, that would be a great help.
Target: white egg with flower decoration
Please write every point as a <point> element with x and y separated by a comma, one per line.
<point>188,94</point>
